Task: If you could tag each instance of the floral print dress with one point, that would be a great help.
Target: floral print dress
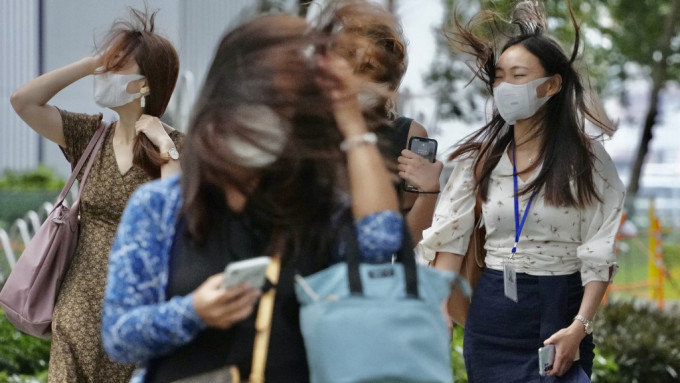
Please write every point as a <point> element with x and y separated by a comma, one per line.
<point>77,354</point>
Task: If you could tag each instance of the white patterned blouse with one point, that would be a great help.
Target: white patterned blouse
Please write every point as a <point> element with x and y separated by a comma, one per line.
<point>554,240</point>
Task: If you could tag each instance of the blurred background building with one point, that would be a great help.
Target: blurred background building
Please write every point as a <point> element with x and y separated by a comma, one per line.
<point>37,36</point>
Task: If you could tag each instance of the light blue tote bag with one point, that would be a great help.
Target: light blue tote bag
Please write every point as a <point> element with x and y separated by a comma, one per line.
<point>376,323</point>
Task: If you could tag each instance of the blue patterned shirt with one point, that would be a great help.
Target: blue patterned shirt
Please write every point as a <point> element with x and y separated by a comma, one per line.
<point>138,322</point>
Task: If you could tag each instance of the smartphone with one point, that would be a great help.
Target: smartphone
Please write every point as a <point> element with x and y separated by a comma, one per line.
<point>546,358</point>
<point>426,148</point>
<point>251,271</point>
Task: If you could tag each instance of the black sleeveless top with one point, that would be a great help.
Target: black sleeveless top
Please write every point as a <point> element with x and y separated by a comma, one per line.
<point>399,136</point>
<point>233,237</point>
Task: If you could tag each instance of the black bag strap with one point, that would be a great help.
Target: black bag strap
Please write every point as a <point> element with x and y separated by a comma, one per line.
<point>405,256</point>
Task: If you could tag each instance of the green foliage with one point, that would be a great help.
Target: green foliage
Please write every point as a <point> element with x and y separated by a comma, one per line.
<point>20,353</point>
<point>457,362</point>
<point>21,192</point>
<point>604,368</point>
<point>641,340</point>
<point>41,179</point>
<point>613,34</point>
<point>671,255</point>
<point>6,378</point>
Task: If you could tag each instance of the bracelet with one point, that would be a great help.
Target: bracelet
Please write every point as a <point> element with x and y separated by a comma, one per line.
<point>432,192</point>
<point>350,143</point>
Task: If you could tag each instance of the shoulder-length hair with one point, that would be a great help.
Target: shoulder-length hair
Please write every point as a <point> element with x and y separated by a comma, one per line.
<point>158,62</point>
<point>565,148</point>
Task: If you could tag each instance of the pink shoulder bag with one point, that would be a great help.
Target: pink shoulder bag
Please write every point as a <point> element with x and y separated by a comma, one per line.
<point>30,292</point>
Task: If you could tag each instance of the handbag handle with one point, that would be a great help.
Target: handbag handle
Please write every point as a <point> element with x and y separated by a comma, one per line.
<point>263,322</point>
<point>95,141</point>
<point>405,256</point>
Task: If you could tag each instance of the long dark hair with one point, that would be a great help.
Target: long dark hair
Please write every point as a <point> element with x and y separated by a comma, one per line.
<point>158,62</point>
<point>565,147</point>
<point>261,90</point>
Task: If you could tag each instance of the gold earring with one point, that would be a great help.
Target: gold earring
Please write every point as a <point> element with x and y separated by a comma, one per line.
<point>144,91</point>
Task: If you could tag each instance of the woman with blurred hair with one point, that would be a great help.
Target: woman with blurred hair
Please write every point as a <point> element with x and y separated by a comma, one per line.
<point>374,44</point>
<point>134,72</point>
<point>551,206</point>
<point>276,147</point>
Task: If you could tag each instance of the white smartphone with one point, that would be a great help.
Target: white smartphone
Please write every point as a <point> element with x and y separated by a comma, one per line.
<point>251,271</point>
<point>546,358</point>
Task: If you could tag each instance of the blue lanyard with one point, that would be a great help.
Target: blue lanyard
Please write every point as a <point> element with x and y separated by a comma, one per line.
<point>518,225</point>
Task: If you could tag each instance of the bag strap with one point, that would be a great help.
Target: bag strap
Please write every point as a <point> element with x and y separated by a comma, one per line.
<point>405,256</point>
<point>92,148</point>
<point>263,322</point>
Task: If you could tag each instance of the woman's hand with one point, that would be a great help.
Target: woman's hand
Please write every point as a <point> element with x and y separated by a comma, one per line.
<point>566,343</point>
<point>336,77</point>
<point>222,308</point>
<point>152,127</point>
<point>419,172</point>
<point>95,62</point>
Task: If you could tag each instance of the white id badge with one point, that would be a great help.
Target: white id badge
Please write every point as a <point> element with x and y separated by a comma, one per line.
<point>510,281</point>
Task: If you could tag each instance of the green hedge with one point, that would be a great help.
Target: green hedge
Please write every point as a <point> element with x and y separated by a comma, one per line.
<point>21,354</point>
<point>643,341</point>
<point>21,192</point>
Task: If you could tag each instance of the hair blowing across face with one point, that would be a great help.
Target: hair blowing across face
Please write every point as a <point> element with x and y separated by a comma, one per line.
<point>261,91</point>
<point>158,62</point>
<point>565,147</point>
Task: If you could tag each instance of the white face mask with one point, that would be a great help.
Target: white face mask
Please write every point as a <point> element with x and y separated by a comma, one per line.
<point>272,136</point>
<point>110,89</point>
<point>517,102</point>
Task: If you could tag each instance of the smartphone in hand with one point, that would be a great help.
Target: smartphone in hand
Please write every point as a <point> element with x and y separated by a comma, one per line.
<point>546,358</point>
<point>426,148</point>
<point>251,271</point>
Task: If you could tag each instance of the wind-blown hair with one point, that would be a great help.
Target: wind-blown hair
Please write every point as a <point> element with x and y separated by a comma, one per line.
<point>262,115</point>
<point>373,42</point>
<point>565,148</point>
<point>158,62</point>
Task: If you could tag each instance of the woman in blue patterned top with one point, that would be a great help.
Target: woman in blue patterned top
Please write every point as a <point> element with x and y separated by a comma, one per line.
<point>277,144</point>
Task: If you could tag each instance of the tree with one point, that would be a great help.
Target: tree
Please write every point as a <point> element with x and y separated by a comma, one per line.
<point>618,32</point>
<point>651,39</point>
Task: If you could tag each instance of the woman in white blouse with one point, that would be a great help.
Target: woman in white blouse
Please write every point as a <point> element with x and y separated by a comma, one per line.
<point>552,202</point>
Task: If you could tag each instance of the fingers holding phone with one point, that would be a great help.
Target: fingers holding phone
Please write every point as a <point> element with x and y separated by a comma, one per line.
<point>220,307</point>
<point>418,165</point>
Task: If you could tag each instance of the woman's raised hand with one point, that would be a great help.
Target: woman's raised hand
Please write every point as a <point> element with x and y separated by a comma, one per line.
<point>336,77</point>
<point>220,307</point>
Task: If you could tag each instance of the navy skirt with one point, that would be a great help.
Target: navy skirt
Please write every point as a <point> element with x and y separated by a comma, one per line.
<point>502,337</point>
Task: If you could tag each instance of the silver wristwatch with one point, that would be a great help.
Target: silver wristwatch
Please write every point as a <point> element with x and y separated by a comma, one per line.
<point>587,324</point>
<point>171,154</point>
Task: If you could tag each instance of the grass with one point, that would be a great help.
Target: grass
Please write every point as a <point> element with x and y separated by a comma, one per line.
<point>634,268</point>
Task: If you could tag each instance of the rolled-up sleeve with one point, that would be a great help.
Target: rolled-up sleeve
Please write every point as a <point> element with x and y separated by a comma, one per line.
<point>601,221</point>
<point>454,215</point>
